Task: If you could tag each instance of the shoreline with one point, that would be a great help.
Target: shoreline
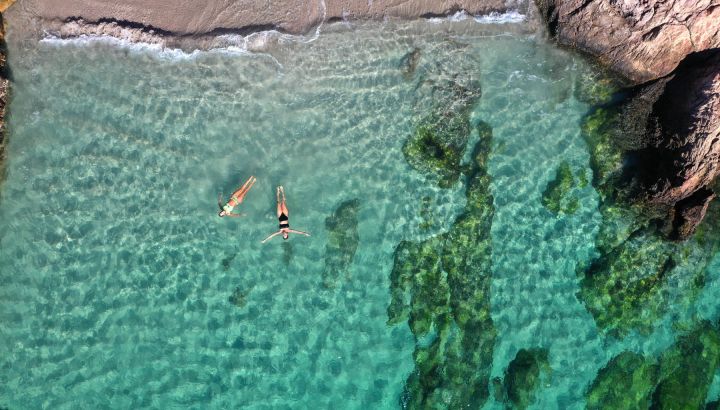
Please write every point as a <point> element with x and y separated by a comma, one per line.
<point>286,16</point>
<point>253,38</point>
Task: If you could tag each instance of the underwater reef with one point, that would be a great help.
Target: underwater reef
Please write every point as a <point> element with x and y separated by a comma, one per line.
<point>625,286</point>
<point>679,378</point>
<point>523,377</point>
<point>436,147</point>
<point>441,286</point>
<point>557,197</point>
<point>439,139</point>
<point>342,241</point>
<point>239,296</point>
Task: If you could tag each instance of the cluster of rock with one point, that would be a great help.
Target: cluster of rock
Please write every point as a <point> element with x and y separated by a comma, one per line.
<point>680,378</point>
<point>670,52</point>
<point>4,82</point>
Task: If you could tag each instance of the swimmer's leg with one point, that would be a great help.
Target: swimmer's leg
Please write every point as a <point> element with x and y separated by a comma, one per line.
<point>279,204</point>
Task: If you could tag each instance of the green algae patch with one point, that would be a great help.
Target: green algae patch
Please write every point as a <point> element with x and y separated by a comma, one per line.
<point>557,197</point>
<point>687,369</point>
<point>623,287</point>
<point>239,296</point>
<point>626,286</point>
<point>679,379</point>
<point>441,286</point>
<point>342,242</point>
<point>409,63</point>
<point>599,129</point>
<point>427,213</point>
<point>524,376</point>
<point>626,382</point>
<point>595,87</point>
<point>436,147</point>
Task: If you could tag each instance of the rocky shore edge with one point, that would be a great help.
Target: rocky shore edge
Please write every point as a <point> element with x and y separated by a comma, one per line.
<point>4,83</point>
<point>669,52</point>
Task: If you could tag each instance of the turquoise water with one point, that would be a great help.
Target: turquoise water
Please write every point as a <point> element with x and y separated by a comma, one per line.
<point>117,272</point>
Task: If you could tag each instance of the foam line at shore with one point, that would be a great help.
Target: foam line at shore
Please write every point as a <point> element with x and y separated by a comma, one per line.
<point>157,49</point>
<point>255,44</point>
<point>508,17</point>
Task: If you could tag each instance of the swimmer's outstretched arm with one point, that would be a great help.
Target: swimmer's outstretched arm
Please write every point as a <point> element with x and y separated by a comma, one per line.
<point>220,201</point>
<point>234,215</point>
<point>270,237</point>
<point>298,232</point>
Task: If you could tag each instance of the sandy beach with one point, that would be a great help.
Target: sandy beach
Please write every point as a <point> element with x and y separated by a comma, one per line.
<point>292,16</point>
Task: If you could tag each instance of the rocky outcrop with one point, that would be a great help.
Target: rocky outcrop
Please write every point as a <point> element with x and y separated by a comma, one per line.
<point>4,82</point>
<point>680,378</point>
<point>672,125</point>
<point>641,39</point>
<point>681,156</point>
<point>292,16</point>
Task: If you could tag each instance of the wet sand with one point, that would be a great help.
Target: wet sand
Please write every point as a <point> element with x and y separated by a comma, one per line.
<point>293,16</point>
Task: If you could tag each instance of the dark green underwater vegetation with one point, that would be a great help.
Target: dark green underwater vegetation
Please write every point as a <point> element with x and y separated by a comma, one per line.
<point>442,287</point>
<point>437,146</point>
<point>524,376</point>
<point>439,140</point>
<point>239,296</point>
<point>342,241</point>
<point>679,379</point>
<point>557,197</point>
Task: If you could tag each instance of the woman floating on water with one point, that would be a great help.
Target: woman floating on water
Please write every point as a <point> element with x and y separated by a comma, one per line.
<point>236,199</point>
<point>283,217</point>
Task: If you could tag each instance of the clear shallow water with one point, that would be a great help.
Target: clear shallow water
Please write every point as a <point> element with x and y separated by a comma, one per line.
<point>116,270</point>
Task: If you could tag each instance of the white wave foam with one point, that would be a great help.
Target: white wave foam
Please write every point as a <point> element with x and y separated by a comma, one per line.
<point>254,44</point>
<point>156,50</point>
<point>512,16</point>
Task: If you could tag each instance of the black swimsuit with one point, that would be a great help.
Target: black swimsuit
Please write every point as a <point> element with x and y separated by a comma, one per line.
<point>284,223</point>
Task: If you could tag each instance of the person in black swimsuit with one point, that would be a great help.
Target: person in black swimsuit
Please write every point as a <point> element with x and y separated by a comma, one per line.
<point>283,218</point>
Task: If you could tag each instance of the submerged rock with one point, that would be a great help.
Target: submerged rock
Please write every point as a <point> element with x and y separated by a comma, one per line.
<point>524,375</point>
<point>679,379</point>
<point>239,296</point>
<point>673,50</point>
<point>595,86</point>
<point>409,63</point>
<point>626,382</point>
<point>687,369</point>
<point>437,144</point>
<point>626,286</point>
<point>557,196</point>
<point>442,287</point>
<point>436,147</point>
<point>342,241</point>
<point>227,261</point>
<point>623,287</point>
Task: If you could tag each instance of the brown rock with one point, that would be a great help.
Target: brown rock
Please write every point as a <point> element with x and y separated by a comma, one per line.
<point>641,39</point>
<point>689,212</point>
<point>681,154</point>
<point>4,4</point>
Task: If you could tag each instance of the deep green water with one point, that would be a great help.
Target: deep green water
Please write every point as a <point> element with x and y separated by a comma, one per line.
<point>117,275</point>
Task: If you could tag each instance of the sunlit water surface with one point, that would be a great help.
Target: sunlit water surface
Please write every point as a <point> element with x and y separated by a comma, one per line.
<point>116,271</point>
